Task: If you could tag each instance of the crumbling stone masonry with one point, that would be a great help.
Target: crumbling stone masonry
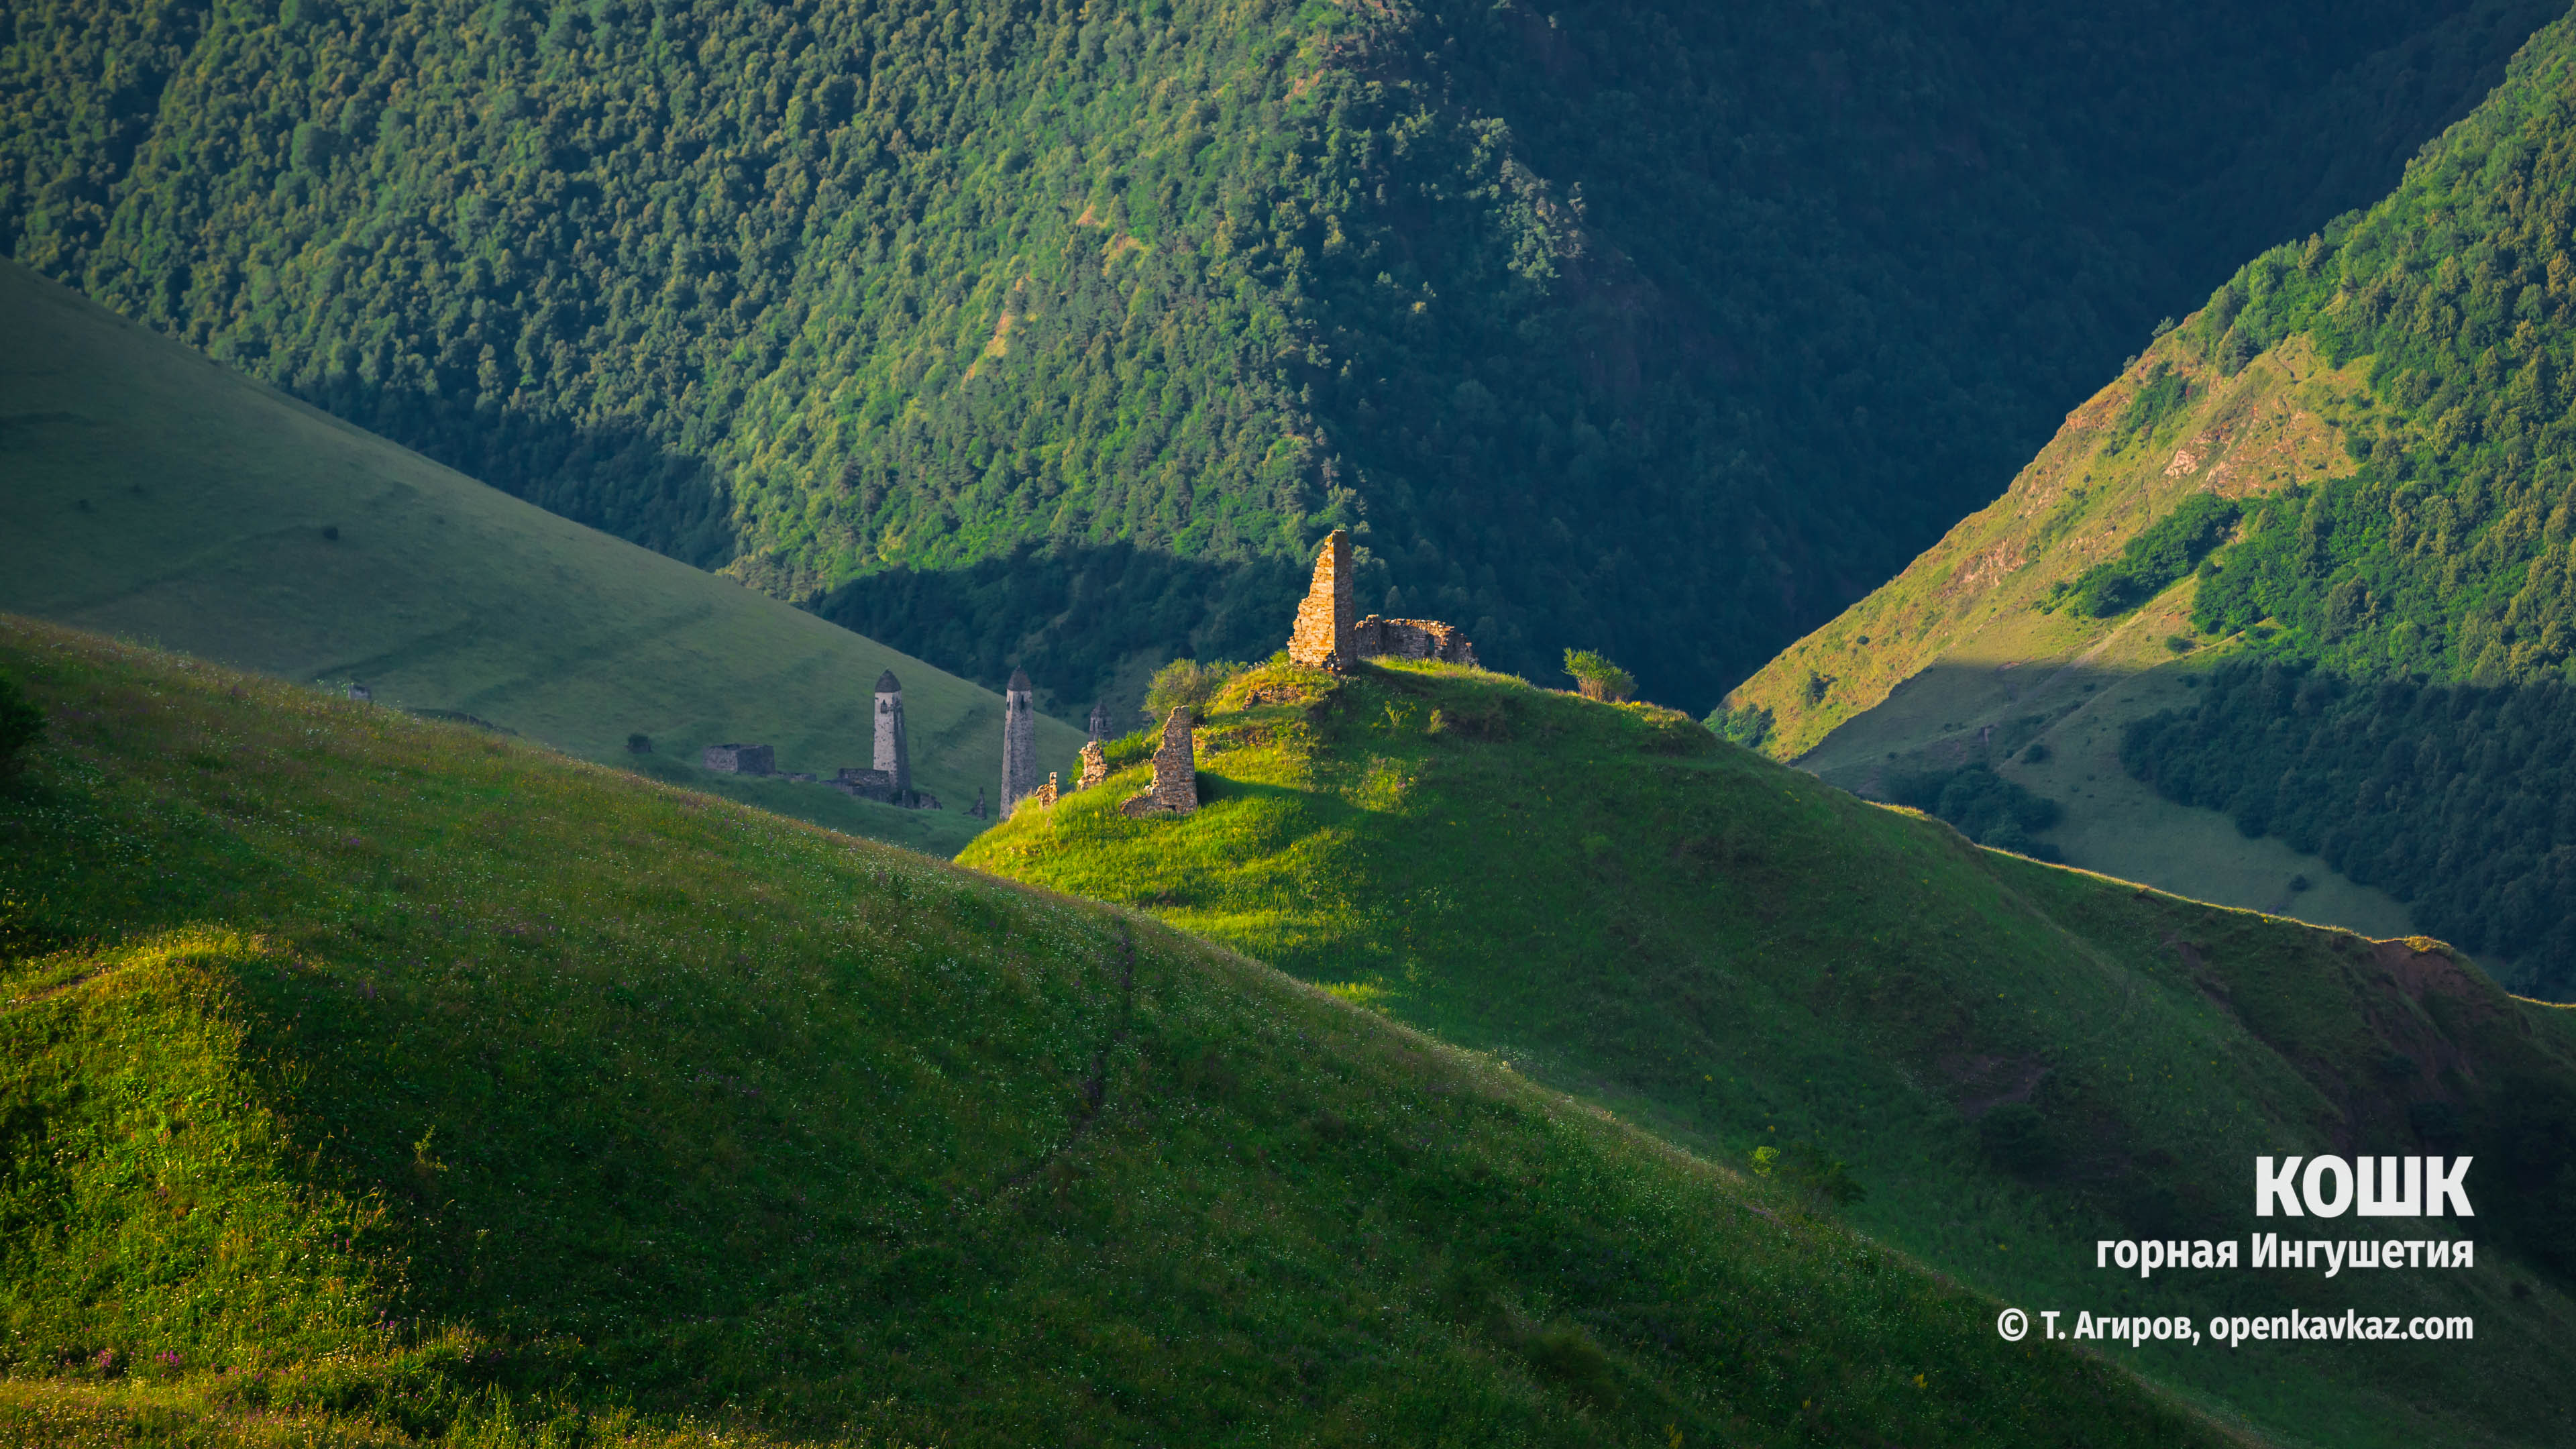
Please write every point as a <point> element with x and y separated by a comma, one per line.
<point>1019,741</point>
<point>1175,790</point>
<point>1322,635</point>
<point>740,759</point>
<point>1376,638</point>
<point>1328,637</point>
<point>1043,797</point>
<point>1095,764</point>
<point>877,785</point>
<point>893,752</point>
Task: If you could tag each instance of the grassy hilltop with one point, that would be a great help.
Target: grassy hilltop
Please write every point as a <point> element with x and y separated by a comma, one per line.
<point>154,494</point>
<point>379,1081</point>
<point>2010,1059</point>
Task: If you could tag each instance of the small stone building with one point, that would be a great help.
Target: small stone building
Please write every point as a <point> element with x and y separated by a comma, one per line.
<point>740,759</point>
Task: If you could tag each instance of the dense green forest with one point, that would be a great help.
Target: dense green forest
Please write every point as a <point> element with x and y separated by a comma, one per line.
<point>2459,801</point>
<point>1028,332</point>
<point>2404,711</point>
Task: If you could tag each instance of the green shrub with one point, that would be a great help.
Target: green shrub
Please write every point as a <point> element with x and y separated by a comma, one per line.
<point>1984,806</point>
<point>2170,548</point>
<point>1187,682</point>
<point>1133,749</point>
<point>1598,678</point>
<point>1748,726</point>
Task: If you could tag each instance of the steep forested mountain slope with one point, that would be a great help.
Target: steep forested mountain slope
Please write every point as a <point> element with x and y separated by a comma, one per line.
<point>1054,333</point>
<point>2396,626</point>
<point>376,1082</point>
<point>2009,1061</point>
<point>153,495</point>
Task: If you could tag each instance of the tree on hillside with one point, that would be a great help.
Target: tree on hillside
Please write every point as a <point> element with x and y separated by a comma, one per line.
<point>1598,678</point>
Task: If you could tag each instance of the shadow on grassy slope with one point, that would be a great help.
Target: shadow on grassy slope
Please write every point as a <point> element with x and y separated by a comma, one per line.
<point>414,1085</point>
<point>1625,907</point>
<point>156,495</point>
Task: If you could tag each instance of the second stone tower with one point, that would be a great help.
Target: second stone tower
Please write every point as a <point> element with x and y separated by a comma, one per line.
<point>1019,741</point>
<point>894,754</point>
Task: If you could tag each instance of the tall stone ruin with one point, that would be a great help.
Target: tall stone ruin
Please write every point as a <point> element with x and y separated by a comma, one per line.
<point>1321,639</point>
<point>1019,741</point>
<point>1175,790</point>
<point>894,752</point>
<point>1099,721</point>
<point>1327,636</point>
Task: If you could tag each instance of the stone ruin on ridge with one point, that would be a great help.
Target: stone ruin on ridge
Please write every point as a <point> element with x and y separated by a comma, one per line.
<point>1175,790</point>
<point>1095,755</point>
<point>1326,635</point>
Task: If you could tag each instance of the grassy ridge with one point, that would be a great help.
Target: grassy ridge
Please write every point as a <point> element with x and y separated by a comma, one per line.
<point>397,1083</point>
<point>1740,957</point>
<point>154,494</point>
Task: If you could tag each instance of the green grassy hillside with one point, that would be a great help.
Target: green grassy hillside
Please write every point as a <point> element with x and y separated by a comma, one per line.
<point>378,1081</point>
<point>154,494</point>
<point>2012,1060</point>
<point>1981,657</point>
<point>1057,332</point>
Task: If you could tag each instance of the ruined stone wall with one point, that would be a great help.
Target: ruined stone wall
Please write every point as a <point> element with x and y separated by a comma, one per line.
<point>1376,638</point>
<point>1324,619</point>
<point>1175,790</point>
<point>740,759</point>
<point>868,785</point>
<point>1095,765</point>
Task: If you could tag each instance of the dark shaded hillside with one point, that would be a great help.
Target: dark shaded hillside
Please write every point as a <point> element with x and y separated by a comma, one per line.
<point>373,1082</point>
<point>2412,625</point>
<point>1665,328</point>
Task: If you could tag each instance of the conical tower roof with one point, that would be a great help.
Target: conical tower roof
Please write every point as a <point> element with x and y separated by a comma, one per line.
<point>1020,681</point>
<point>886,683</point>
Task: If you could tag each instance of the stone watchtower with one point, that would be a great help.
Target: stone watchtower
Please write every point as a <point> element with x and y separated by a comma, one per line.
<point>1019,741</point>
<point>1099,722</point>
<point>894,753</point>
<point>1322,636</point>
